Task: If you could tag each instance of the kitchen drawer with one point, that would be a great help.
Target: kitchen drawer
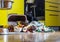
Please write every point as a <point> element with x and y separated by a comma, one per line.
<point>51,6</point>
<point>51,0</point>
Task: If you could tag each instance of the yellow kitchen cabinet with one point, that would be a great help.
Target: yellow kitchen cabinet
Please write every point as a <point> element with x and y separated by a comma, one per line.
<point>51,18</point>
<point>52,0</point>
<point>3,17</point>
<point>51,6</point>
<point>52,12</point>
<point>17,8</point>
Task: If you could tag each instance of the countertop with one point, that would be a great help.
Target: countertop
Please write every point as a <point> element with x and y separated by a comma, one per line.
<point>31,37</point>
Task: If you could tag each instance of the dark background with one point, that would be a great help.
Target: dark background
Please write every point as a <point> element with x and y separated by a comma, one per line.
<point>40,7</point>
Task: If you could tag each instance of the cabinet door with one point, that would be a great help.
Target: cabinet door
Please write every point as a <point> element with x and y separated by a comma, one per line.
<point>52,13</point>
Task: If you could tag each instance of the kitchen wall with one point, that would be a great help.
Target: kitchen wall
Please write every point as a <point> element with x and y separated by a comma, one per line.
<point>17,8</point>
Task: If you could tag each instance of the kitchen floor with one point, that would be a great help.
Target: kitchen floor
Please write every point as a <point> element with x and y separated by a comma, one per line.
<point>31,37</point>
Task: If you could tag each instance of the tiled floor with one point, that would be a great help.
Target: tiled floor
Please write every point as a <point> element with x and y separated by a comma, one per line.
<point>31,37</point>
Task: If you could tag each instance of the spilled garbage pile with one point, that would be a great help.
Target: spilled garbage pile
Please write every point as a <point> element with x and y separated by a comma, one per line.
<point>34,26</point>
